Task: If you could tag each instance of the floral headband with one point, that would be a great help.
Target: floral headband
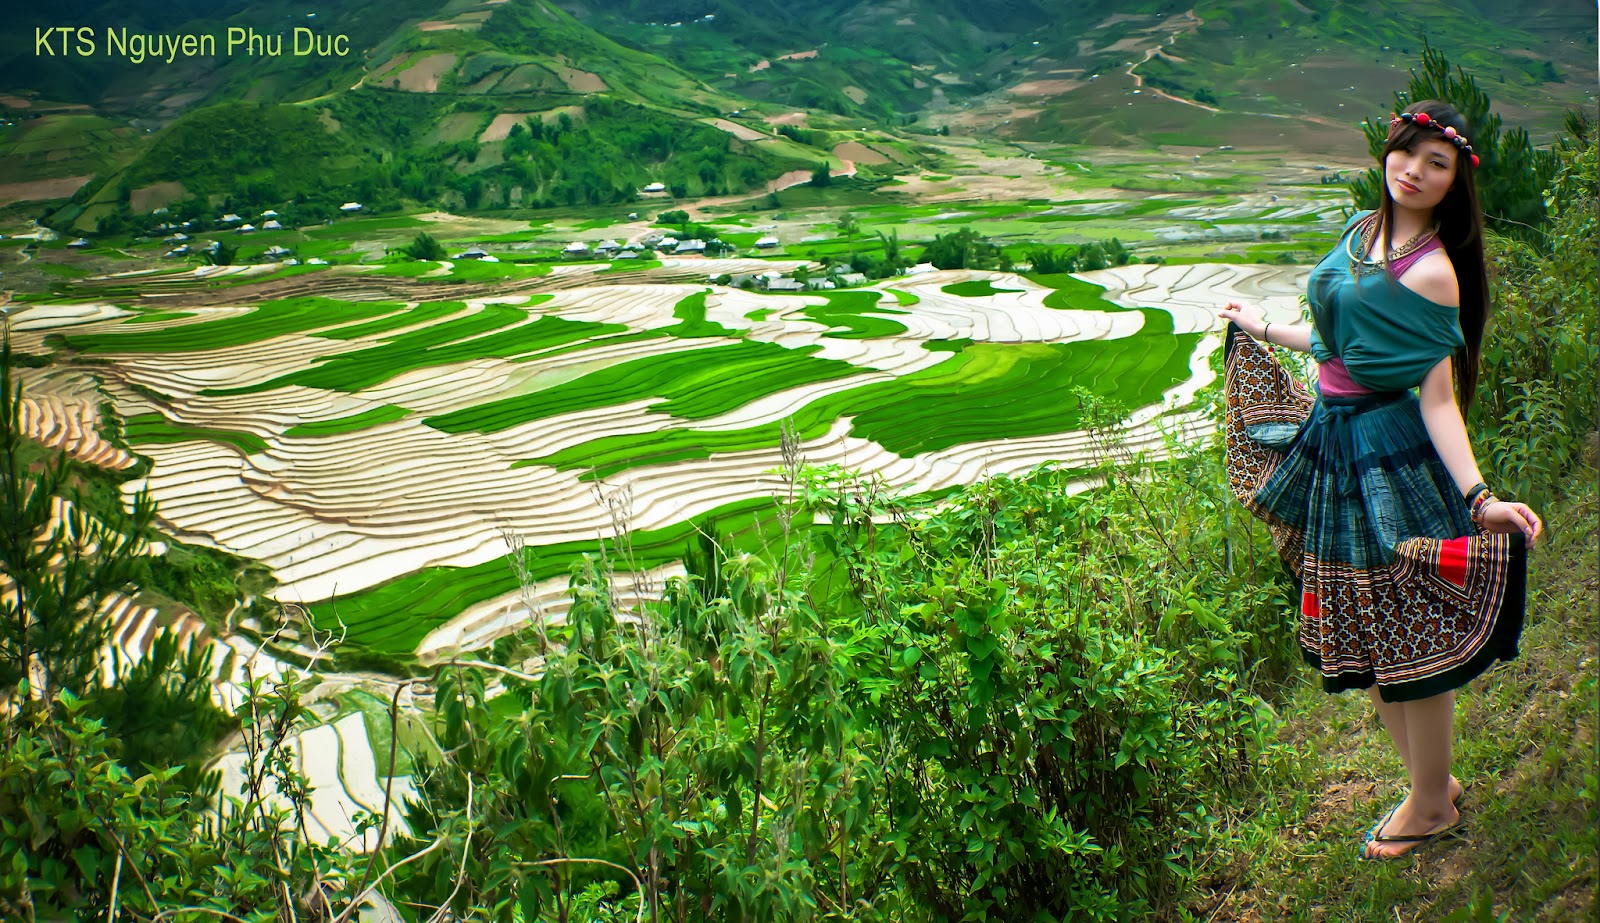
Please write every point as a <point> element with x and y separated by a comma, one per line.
<point>1450,134</point>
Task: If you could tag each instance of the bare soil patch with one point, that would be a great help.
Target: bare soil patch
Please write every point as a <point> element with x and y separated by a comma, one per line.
<point>1045,87</point>
<point>389,67</point>
<point>581,81</point>
<point>742,132</point>
<point>15,102</point>
<point>500,128</point>
<point>153,197</point>
<point>1115,18</point>
<point>423,76</point>
<point>438,26</point>
<point>760,65</point>
<point>788,118</point>
<point>860,153</point>
<point>798,55</point>
<point>41,189</point>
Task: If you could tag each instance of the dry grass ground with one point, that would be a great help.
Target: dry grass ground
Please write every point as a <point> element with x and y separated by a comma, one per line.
<point>1526,749</point>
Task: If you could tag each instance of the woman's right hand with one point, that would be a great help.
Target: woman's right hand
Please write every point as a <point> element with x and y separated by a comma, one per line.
<point>1251,319</point>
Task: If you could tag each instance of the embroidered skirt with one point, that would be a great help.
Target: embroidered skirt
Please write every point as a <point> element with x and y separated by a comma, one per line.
<point>1397,585</point>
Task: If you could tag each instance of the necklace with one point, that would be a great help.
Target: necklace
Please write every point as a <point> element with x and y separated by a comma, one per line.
<point>1369,232</point>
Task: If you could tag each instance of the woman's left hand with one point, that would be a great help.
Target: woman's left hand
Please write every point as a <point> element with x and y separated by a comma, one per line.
<point>1505,517</point>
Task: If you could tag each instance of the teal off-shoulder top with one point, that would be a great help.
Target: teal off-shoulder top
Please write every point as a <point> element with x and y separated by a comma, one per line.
<point>1387,335</point>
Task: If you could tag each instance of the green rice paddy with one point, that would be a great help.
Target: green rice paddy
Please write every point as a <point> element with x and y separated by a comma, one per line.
<point>269,319</point>
<point>147,428</point>
<point>385,414</point>
<point>986,391</point>
<point>693,385</point>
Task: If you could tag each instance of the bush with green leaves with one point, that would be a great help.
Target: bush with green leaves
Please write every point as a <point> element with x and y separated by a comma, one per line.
<point>1535,407</point>
<point>1513,174</point>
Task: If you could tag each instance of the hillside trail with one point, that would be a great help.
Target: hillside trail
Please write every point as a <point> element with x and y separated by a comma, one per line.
<point>1192,28</point>
<point>786,181</point>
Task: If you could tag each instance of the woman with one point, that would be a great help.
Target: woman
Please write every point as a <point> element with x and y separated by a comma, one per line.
<point>1411,571</point>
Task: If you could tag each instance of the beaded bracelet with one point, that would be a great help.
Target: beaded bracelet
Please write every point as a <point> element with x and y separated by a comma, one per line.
<point>1480,503</point>
<point>1474,490</point>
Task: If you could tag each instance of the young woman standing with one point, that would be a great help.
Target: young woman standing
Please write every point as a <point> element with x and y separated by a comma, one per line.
<point>1411,572</point>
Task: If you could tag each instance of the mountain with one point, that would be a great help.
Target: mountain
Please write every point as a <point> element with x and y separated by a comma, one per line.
<point>1020,68</point>
<point>417,100</point>
<point>431,103</point>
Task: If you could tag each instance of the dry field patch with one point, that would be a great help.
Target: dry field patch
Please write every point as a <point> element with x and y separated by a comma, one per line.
<point>42,189</point>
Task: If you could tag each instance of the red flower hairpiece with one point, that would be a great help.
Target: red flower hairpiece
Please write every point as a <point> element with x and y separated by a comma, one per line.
<point>1450,134</point>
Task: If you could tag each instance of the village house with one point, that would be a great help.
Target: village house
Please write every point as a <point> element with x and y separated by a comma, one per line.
<point>692,246</point>
<point>350,207</point>
<point>230,218</point>
<point>575,250</point>
<point>853,278</point>
<point>272,225</point>
<point>655,187</point>
<point>767,242</point>
<point>472,253</point>
<point>606,246</point>
<point>269,213</point>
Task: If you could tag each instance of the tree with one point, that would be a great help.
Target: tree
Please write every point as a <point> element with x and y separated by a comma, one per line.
<point>849,226</point>
<point>963,249</point>
<point>61,564</point>
<point>676,216</point>
<point>224,254</point>
<point>424,247</point>
<point>1512,176</point>
<point>820,176</point>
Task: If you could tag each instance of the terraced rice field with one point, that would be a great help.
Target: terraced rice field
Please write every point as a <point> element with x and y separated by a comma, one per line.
<point>374,452</point>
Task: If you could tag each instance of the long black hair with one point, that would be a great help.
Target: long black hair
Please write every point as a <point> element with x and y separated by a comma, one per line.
<point>1460,220</point>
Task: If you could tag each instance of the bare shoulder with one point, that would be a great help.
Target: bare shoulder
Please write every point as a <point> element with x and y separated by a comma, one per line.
<point>1434,278</point>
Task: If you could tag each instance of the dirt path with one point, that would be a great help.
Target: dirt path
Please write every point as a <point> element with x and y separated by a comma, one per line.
<point>787,180</point>
<point>1194,25</point>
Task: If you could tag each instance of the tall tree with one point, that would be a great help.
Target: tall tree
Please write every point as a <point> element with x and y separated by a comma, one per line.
<point>1512,176</point>
<point>58,563</point>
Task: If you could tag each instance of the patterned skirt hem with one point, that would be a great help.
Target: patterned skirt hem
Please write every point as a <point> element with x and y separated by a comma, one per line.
<point>1500,646</point>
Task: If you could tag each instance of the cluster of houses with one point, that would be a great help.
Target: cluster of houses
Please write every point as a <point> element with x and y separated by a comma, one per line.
<point>838,276</point>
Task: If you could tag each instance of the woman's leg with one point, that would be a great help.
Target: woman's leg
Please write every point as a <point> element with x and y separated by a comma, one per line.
<point>1394,720</point>
<point>1429,731</point>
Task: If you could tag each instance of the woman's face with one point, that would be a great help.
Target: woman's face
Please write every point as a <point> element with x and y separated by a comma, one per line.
<point>1419,177</point>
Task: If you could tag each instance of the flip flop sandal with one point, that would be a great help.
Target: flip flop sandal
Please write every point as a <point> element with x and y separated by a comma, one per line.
<point>1421,839</point>
<point>1373,832</point>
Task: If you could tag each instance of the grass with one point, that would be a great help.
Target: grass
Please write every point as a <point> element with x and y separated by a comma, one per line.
<point>975,288</point>
<point>1525,748</point>
<point>158,315</point>
<point>394,617</point>
<point>421,314</point>
<point>692,385</point>
<point>1073,294</point>
<point>146,428</point>
<point>973,396</point>
<point>692,323</point>
<point>269,319</point>
<point>385,414</point>
<point>496,332</point>
<point>846,315</point>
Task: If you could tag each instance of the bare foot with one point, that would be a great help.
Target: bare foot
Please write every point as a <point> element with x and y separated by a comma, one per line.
<point>1408,820</point>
